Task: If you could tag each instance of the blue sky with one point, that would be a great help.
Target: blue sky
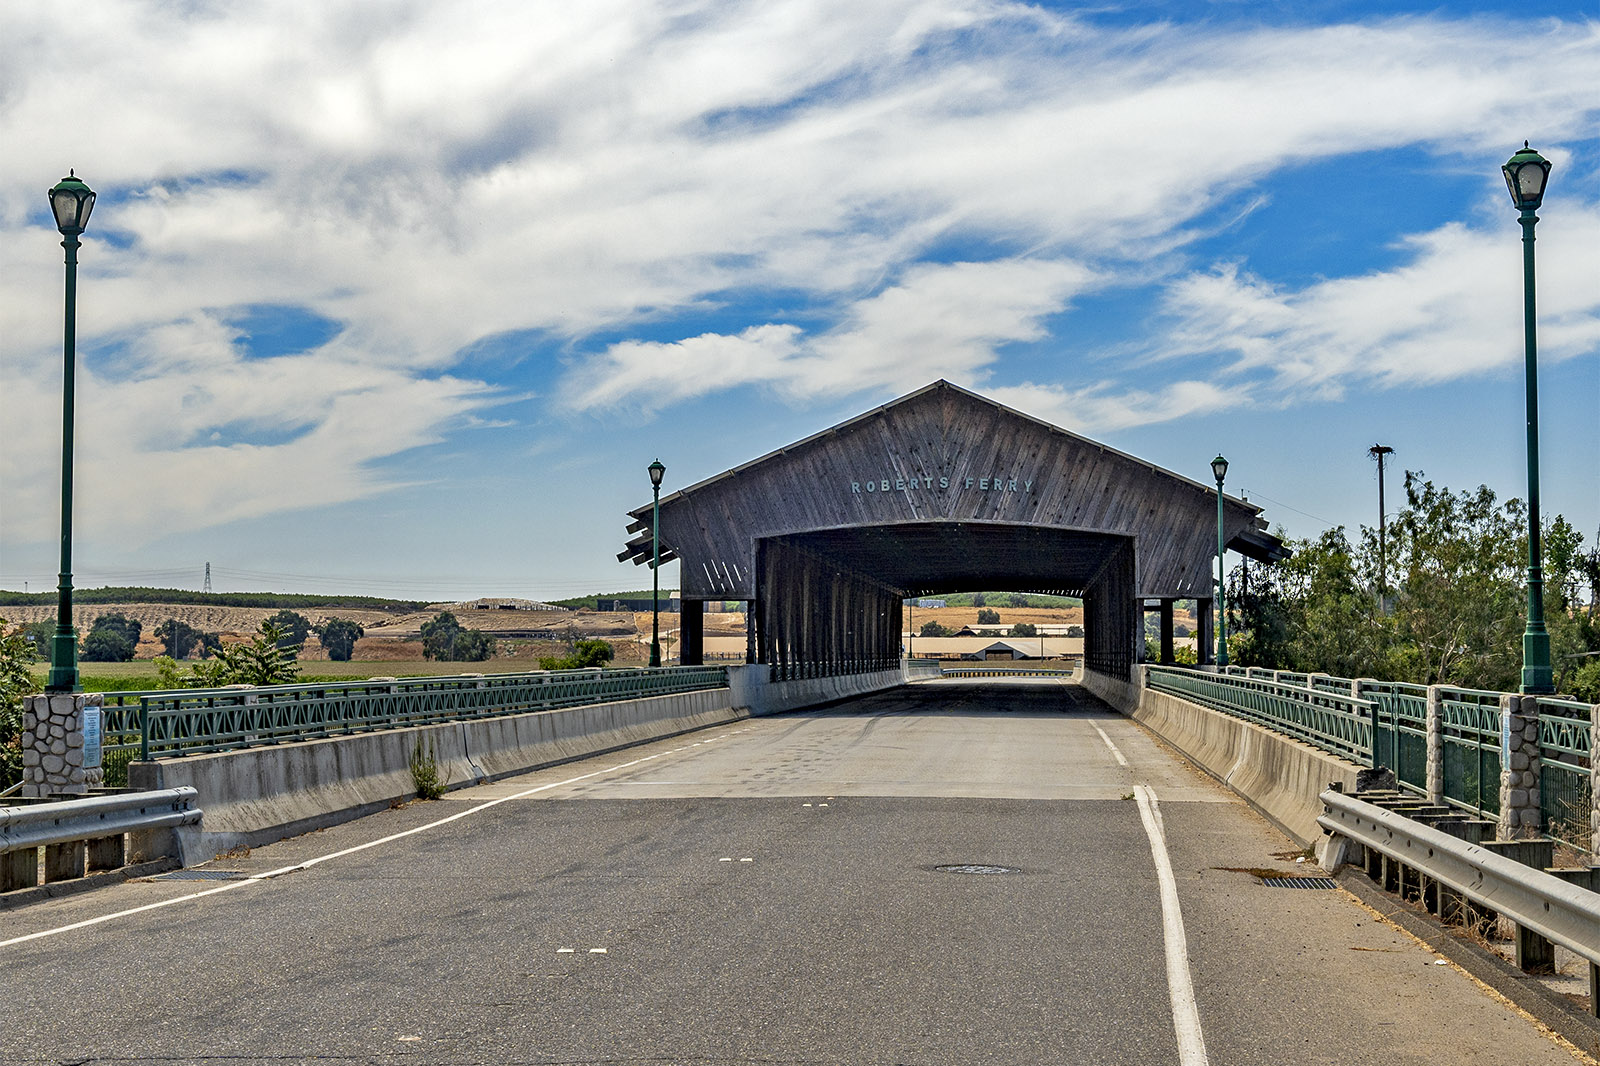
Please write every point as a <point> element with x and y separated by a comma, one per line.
<point>402,297</point>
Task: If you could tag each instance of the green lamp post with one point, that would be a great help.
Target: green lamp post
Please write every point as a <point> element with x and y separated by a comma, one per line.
<point>1219,470</point>
<point>1526,174</point>
<point>70,201</point>
<point>657,470</point>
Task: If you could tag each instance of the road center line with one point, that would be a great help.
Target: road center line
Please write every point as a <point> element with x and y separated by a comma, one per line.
<point>254,879</point>
<point>1180,985</point>
<point>1120,760</point>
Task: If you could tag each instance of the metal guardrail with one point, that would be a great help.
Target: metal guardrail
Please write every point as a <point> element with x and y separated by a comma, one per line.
<point>1338,723</point>
<point>195,721</point>
<point>43,824</point>
<point>1560,912</point>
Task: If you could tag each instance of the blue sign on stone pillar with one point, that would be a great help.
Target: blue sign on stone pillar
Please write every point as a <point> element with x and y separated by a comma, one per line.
<point>91,737</point>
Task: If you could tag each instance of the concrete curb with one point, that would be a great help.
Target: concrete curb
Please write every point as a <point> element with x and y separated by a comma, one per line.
<point>23,897</point>
<point>1550,1008</point>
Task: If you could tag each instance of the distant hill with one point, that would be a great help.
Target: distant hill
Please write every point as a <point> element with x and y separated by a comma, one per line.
<point>276,600</point>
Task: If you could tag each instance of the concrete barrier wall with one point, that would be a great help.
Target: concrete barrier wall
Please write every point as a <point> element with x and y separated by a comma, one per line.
<point>1118,692</point>
<point>258,795</point>
<point>1279,776</point>
<point>752,688</point>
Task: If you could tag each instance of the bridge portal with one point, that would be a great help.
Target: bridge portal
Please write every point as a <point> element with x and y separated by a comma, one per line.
<point>940,491</point>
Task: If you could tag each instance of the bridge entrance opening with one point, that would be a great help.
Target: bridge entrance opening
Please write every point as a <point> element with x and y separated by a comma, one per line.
<point>940,491</point>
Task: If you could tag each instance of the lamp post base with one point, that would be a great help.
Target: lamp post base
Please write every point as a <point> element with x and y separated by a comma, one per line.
<point>63,663</point>
<point>1538,679</point>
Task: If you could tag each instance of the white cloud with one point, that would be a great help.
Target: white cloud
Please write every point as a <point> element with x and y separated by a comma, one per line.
<point>944,320</point>
<point>1104,406</point>
<point>1453,310</point>
<point>427,175</point>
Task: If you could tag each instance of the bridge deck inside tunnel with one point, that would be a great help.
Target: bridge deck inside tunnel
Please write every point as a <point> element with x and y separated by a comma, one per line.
<point>940,491</point>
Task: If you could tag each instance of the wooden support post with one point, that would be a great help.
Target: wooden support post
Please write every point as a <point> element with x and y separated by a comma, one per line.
<point>64,862</point>
<point>1168,654</point>
<point>1534,954</point>
<point>19,869</point>
<point>106,853</point>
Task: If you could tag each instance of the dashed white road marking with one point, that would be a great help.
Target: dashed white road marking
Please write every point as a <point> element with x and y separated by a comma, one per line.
<point>255,879</point>
<point>1121,761</point>
<point>1180,984</point>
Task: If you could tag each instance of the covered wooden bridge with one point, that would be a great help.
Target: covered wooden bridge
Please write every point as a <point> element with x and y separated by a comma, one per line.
<point>940,491</point>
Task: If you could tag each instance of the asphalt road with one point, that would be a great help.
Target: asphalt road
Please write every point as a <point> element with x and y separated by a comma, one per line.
<point>766,892</point>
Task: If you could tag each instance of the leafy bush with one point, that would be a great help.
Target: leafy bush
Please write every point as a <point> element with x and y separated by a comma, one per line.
<point>16,652</point>
<point>584,654</point>
<point>987,617</point>
<point>934,629</point>
<point>425,771</point>
<point>1024,629</point>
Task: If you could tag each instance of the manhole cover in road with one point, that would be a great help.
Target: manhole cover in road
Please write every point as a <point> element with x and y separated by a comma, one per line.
<point>1299,882</point>
<point>976,868</point>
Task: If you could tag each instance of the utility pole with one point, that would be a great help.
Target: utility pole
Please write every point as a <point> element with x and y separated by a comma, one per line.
<point>1378,451</point>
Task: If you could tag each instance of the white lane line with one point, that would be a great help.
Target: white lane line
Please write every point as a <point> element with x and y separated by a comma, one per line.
<point>1180,985</point>
<point>1120,760</point>
<point>307,864</point>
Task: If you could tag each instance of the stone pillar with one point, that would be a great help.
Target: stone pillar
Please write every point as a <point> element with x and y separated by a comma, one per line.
<point>1435,745</point>
<point>52,743</point>
<point>1520,764</point>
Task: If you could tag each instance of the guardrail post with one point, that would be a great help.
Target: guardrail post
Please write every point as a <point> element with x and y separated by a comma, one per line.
<point>1520,765</point>
<point>106,853</point>
<point>1435,744</point>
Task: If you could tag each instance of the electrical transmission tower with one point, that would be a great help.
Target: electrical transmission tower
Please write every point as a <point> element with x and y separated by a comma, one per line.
<point>207,587</point>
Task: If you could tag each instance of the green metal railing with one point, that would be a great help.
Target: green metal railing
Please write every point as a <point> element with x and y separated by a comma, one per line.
<point>194,721</point>
<point>1564,785</point>
<point>1388,725</point>
<point>1338,723</point>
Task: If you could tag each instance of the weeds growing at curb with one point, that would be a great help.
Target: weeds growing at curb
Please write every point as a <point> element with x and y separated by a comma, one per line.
<point>425,771</point>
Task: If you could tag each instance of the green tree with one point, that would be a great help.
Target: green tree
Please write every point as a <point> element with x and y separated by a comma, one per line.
<point>179,639</point>
<point>934,629</point>
<point>339,636</point>
<point>988,617</point>
<point>112,639</point>
<point>439,636</point>
<point>260,660</point>
<point>1024,629</point>
<point>16,681</point>
<point>296,627</point>
<point>472,646</point>
<point>979,599</point>
<point>39,635</point>
<point>444,640</point>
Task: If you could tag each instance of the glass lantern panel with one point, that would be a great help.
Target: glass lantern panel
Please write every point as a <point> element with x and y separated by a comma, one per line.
<point>1530,181</point>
